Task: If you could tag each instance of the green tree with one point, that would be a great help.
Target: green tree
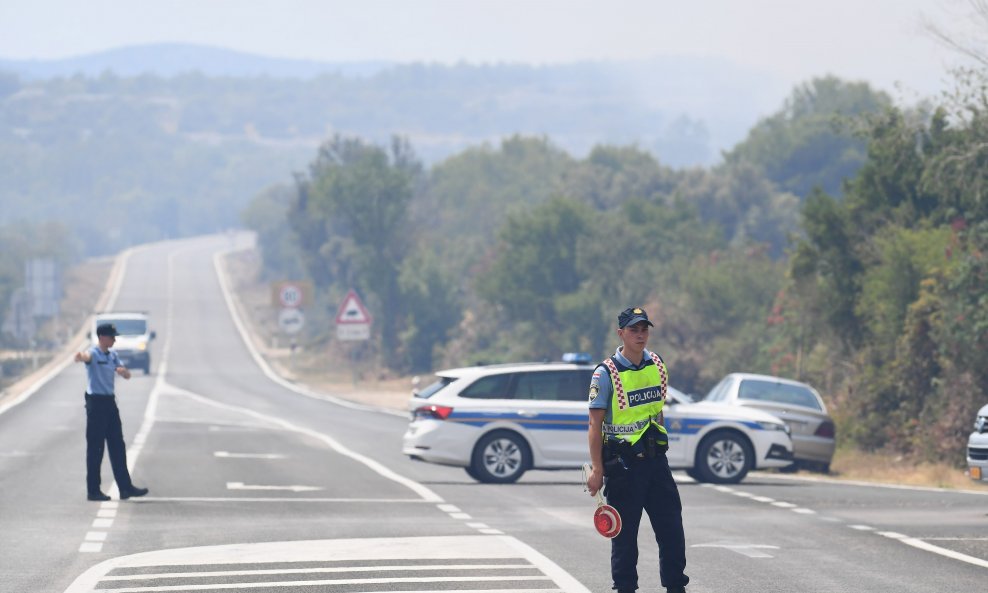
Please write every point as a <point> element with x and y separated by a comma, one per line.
<point>536,266</point>
<point>431,295</point>
<point>267,215</point>
<point>352,211</point>
<point>811,141</point>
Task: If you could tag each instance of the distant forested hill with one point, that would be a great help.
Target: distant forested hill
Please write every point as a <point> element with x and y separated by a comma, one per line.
<point>172,140</point>
<point>674,106</point>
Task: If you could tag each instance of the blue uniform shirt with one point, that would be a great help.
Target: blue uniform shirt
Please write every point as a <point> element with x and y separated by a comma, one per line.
<point>600,383</point>
<point>101,370</point>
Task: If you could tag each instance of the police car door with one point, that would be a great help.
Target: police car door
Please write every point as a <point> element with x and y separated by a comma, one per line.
<point>554,405</point>
<point>681,441</point>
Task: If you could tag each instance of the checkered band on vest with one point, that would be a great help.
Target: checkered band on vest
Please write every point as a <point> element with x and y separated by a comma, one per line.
<point>616,382</point>
<point>663,374</point>
<point>622,399</point>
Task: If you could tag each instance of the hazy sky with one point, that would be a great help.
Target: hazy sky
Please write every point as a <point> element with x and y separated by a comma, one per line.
<point>882,41</point>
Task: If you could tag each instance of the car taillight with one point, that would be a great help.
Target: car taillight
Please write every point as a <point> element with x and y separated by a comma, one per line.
<point>437,412</point>
<point>826,430</point>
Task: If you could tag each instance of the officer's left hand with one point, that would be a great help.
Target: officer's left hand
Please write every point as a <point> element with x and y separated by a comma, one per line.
<point>595,481</point>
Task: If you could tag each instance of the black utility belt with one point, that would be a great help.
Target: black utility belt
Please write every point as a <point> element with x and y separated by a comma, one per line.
<point>645,448</point>
<point>90,395</point>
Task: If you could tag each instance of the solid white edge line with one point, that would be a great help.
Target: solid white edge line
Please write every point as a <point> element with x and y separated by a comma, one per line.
<point>840,482</point>
<point>920,544</point>
<point>423,491</point>
<point>565,580</point>
<point>263,364</point>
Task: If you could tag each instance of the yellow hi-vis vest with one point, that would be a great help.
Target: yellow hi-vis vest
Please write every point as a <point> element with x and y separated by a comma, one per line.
<point>637,397</point>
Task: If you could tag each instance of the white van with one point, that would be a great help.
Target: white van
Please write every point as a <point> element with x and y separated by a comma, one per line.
<point>133,344</point>
<point>977,448</point>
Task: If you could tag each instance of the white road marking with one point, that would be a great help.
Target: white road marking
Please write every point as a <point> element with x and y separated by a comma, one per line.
<point>461,516</point>
<point>307,499</point>
<point>519,562</point>
<point>102,523</point>
<point>320,570</point>
<point>106,513</point>
<point>922,545</point>
<point>296,488</point>
<point>918,543</point>
<point>332,443</point>
<point>762,499</point>
<point>448,508</point>
<point>838,482</point>
<point>263,364</point>
<point>95,536</point>
<point>227,454</point>
<point>90,547</point>
<point>749,550</point>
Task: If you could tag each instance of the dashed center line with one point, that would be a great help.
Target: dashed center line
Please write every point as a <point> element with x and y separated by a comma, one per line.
<point>918,543</point>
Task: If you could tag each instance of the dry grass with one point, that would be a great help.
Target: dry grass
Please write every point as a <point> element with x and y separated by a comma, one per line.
<point>849,464</point>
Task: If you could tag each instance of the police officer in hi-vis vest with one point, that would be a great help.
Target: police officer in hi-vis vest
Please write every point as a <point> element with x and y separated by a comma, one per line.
<point>628,446</point>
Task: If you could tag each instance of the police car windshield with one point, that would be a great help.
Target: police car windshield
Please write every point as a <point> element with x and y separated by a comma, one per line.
<point>129,327</point>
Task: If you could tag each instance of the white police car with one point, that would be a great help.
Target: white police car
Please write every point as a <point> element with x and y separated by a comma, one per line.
<point>499,421</point>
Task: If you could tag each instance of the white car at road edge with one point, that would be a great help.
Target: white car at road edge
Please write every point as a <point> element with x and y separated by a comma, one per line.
<point>499,421</point>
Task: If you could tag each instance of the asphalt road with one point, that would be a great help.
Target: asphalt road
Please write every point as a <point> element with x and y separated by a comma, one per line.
<point>256,486</point>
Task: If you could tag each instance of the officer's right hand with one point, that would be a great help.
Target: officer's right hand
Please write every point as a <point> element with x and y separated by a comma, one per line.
<point>595,481</point>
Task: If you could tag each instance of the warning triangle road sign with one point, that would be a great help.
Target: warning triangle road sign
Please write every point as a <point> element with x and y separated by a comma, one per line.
<point>352,311</point>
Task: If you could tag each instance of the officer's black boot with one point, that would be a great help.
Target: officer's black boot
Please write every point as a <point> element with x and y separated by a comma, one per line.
<point>676,589</point>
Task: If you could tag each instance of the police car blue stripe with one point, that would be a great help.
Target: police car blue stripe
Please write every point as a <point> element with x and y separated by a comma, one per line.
<point>682,426</point>
<point>540,422</point>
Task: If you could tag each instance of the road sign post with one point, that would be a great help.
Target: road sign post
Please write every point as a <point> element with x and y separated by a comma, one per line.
<point>353,323</point>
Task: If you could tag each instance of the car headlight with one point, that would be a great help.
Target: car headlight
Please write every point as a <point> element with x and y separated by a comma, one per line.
<point>142,346</point>
<point>774,426</point>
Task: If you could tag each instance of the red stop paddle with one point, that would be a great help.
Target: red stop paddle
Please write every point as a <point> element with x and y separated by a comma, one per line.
<point>606,519</point>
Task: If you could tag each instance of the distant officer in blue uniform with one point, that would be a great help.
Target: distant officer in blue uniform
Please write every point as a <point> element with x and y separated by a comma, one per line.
<point>628,445</point>
<point>103,417</point>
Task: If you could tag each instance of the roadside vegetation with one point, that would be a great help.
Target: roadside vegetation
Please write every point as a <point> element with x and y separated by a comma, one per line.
<point>843,243</point>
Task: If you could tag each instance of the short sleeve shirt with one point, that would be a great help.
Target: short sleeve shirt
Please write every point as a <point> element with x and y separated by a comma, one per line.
<point>600,383</point>
<point>101,370</point>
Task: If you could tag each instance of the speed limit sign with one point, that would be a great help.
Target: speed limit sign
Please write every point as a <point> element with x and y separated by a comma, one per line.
<point>290,295</point>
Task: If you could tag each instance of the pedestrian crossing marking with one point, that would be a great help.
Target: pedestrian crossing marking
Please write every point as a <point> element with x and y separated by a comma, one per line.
<point>481,563</point>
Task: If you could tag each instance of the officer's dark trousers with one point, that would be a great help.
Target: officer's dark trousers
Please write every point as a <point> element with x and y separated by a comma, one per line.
<point>647,484</point>
<point>103,426</point>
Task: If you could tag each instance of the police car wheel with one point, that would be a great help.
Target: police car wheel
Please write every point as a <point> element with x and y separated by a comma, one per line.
<point>723,457</point>
<point>500,457</point>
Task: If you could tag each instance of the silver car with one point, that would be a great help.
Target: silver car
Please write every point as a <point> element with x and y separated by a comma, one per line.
<point>977,448</point>
<point>797,404</point>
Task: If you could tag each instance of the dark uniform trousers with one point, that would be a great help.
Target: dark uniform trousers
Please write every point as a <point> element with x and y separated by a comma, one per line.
<point>647,484</point>
<point>103,426</point>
